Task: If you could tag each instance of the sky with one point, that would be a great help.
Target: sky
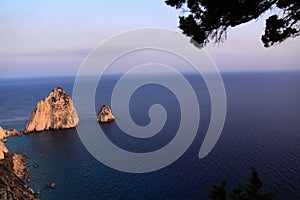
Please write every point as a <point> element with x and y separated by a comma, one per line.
<point>52,37</point>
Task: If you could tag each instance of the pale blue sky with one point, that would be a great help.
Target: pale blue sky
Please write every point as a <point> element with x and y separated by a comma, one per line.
<point>51,37</point>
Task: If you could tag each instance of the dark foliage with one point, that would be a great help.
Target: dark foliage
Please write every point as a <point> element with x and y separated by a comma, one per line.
<point>250,191</point>
<point>206,20</point>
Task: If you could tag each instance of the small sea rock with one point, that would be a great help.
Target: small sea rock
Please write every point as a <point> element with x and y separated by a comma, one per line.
<point>36,165</point>
<point>52,185</point>
<point>105,115</point>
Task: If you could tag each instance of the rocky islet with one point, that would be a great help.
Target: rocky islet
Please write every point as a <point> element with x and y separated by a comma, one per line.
<point>105,115</point>
<point>54,112</point>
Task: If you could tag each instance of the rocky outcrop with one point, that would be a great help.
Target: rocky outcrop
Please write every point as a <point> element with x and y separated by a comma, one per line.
<point>53,113</point>
<point>105,115</point>
<point>13,132</point>
<point>3,150</point>
<point>2,133</point>
<point>20,166</point>
<point>7,133</point>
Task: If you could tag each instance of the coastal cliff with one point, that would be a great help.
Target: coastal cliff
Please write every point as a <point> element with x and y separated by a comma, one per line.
<point>55,112</point>
<point>105,115</point>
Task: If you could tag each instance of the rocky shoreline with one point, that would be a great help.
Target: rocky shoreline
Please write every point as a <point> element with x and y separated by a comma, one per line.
<point>13,171</point>
<point>20,167</point>
<point>54,112</point>
<point>11,185</point>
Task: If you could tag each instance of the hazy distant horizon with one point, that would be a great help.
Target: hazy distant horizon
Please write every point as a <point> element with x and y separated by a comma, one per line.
<point>154,73</point>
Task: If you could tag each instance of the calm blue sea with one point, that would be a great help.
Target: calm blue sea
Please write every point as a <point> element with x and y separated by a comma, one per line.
<point>262,130</point>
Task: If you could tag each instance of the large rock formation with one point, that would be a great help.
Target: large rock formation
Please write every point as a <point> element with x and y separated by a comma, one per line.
<point>55,112</point>
<point>105,115</point>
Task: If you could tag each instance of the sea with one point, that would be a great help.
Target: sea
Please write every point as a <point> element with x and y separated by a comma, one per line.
<point>261,131</point>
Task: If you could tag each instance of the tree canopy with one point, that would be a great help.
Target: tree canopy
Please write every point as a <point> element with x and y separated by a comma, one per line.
<point>249,191</point>
<point>206,20</point>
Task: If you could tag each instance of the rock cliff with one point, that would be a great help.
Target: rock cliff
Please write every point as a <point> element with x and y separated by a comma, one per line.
<point>105,115</point>
<point>55,112</point>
